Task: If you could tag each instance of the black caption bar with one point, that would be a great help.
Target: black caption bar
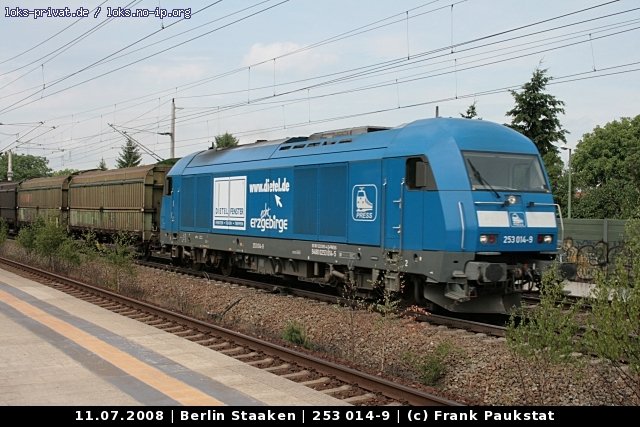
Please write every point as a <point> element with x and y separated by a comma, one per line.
<point>369,416</point>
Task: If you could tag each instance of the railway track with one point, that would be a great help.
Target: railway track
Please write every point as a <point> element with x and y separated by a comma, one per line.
<point>350,385</point>
<point>497,330</point>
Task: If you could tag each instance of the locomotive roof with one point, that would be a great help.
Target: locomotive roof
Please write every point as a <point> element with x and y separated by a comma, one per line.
<point>426,136</point>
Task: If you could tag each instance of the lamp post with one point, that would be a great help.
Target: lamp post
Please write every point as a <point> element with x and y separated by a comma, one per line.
<point>569,192</point>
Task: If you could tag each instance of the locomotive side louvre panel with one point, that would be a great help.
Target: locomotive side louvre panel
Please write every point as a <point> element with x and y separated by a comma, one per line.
<point>203,202</point>
<point>195,204</point>
<point>320,200</point>
<point>332,202</point>
<point>306,202</point>
<point>187,206</point>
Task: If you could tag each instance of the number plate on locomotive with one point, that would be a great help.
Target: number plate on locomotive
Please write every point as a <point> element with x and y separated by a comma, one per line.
<point>517,239</point>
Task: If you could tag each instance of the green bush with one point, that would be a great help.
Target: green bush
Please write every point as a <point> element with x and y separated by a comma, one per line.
<point>613,324</point>
<point>432,367</point>
<point>295,333</point>
<point>4,231</point>
<point>51,242</point>
<point>120,256</point>
<point>27,235</point>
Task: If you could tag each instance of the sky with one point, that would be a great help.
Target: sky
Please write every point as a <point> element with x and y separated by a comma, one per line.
<point>73,88</point>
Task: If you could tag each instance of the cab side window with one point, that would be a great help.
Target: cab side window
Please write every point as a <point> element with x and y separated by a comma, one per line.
<point>419,175</point>
<point>168,186</point>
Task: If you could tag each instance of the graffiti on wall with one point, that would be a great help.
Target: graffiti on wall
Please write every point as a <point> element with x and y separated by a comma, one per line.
<point>590,258</point>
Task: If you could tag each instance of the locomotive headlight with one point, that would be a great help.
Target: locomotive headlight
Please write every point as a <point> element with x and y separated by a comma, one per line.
<point>512,200</point>
<point>487,239</point>
<point>545,238</point>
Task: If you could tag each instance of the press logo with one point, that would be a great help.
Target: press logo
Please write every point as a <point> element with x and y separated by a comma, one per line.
<point>517,219</point>
<point>364,202</point>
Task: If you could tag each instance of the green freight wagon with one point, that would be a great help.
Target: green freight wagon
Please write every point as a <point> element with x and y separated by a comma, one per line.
<point>8,202</point>
<point>45,198</point>
<point>119,200</point>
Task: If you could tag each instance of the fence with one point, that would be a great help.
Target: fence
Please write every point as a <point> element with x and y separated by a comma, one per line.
<point>592,245</point>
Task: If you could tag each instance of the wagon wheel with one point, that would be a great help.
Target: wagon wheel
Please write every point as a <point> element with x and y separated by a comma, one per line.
<point>146,251</point>
<point>227,267</point>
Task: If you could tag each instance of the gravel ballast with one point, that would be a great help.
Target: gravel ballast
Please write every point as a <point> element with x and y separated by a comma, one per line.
<point>478,369</point>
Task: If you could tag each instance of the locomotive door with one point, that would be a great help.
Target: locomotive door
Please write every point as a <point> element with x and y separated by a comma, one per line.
<point>172,204</point>
<point>393,180</point>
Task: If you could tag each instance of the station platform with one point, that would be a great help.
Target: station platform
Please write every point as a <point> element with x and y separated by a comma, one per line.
<point>58,350</point>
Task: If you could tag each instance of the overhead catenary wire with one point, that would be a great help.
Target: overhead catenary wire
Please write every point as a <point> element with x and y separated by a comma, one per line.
<point>20,104</point>
<point>473,47</point>
<point>290,126</point>
<point>157,122</point>
<point>471,41</point>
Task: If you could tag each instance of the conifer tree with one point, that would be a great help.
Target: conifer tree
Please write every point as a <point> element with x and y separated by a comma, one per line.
<point>129,156</point>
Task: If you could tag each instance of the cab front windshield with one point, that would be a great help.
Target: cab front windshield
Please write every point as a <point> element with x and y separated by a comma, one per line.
<point>504,172</point>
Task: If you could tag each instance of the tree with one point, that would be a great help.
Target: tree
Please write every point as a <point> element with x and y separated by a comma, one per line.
<point>102,165</point>
<point>62,172</point>
<point>24,166</point>
<point>129,156</point>
<point>226,140</point>
<point>605,167</point>
<point>535,114</point>
<point>471,112</point>
<point>553,164</point>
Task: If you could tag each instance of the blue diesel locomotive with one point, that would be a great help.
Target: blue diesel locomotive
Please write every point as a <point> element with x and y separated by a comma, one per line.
<point>455,212</point>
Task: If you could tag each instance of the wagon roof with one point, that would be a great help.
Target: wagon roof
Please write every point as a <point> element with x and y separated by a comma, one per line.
<point>138,173</point>
<point>48,182</point>
<point>8,185</point>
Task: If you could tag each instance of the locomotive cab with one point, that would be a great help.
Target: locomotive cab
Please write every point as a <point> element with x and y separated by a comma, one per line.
<point>488,217</point>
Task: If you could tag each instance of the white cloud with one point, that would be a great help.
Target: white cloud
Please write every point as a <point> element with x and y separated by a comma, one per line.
<point>302,61</point>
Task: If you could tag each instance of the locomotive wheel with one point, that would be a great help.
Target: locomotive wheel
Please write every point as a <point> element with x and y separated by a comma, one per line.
<point>146,252</point>
<point>227,268</point>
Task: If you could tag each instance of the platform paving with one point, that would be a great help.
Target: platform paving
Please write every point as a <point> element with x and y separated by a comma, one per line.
<point>58,350</point>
